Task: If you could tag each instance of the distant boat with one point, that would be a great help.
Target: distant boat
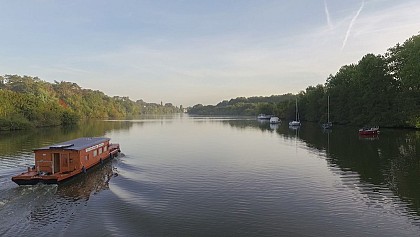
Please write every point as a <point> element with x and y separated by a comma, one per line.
<point>366,131</point>
<point>264,116</point>
<point>328,124</point>
<point>274,120</point>
<point>296,122</point>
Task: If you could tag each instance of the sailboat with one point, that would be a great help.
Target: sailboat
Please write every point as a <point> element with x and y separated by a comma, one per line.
<point>328,124</point>
<point>296,122</point>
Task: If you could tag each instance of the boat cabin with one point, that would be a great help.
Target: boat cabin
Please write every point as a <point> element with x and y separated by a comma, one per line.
<point>274,120</point>
<point>77,154</point>
<point>59,162</point>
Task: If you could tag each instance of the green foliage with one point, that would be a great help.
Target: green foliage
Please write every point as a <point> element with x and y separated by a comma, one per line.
<point>69,118</point>
<point>244,106</point>
<point>30,102</point>
<point>15,123</point>
<point>378,90</point>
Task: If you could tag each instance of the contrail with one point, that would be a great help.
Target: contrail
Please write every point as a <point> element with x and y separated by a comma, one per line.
<point>327,13</point>
<point>352,23</point>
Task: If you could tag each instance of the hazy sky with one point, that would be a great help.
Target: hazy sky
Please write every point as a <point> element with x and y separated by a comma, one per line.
<point>197,51</point>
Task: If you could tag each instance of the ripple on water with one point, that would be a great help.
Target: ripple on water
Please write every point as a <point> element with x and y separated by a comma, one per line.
<point>20,160</point>
<point>257,185</point>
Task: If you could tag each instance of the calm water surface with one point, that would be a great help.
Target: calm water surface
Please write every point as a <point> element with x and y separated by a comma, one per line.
<point>224,176</point>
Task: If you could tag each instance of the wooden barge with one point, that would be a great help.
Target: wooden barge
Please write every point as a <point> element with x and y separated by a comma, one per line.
<point>62,161</point>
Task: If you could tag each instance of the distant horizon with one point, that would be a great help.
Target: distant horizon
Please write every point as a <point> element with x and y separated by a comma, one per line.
<point>189,52</point>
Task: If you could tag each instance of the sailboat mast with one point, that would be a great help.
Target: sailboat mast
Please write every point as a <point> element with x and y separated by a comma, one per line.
<point>328,109</point>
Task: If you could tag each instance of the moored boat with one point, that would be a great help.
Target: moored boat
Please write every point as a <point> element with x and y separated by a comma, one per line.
<point>274,120</point>
<point>369,131</point>
<point>328,124</point>
<point>62,161</point>
<point>296,122</point>
<point>264,116</point>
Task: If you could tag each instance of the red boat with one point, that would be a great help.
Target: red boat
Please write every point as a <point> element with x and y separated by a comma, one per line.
<point>59,162</point>
<point>369,131</point>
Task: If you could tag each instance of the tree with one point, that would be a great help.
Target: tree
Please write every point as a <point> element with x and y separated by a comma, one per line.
<point>403,66</point>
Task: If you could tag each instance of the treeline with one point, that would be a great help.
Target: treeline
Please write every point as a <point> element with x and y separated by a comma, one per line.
<point>27,102</point>
<point>379,90</point>
<point>275,104</point>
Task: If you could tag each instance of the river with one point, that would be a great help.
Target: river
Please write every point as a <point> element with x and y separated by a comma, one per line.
<point>219,176</point>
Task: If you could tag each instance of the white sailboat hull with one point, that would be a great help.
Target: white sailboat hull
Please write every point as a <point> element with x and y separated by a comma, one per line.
<point>294,123</point>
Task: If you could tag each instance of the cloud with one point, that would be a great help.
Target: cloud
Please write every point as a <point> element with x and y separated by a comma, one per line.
<point>327,14</point>
<point>351,24</point>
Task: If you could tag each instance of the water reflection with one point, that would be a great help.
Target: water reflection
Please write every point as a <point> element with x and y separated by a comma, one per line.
<point>369,137</point>
<point>382,167</point>
<point>85,185</point>
<point>231,177</point>
<point>274,126</point>
<point>44,208</point>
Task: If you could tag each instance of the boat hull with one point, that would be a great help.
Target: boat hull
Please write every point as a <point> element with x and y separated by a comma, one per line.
<point>264,117</point>
<point>31,177</point>
<point>294,123</point>
<point>34,181</point>
<point>327,125</point>
<point>369,131</point>
<point>274,120</point>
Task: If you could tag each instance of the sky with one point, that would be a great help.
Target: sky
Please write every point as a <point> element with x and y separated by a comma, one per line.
<point>188,52</point>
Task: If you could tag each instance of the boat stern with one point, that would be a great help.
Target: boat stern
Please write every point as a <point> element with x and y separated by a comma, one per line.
<point>32,177</point>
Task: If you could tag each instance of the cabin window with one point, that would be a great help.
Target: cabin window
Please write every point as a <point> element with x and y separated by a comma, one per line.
<point>95,153</point>
<point>87,157</point>
<point>105,148</point>
<point>70,160</point>
<point>100,150</point>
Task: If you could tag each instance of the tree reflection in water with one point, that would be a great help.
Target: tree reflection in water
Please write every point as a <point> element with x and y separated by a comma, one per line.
<point>382,167</point>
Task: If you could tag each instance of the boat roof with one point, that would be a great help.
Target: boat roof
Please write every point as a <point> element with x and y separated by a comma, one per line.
<point>76,144</point>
